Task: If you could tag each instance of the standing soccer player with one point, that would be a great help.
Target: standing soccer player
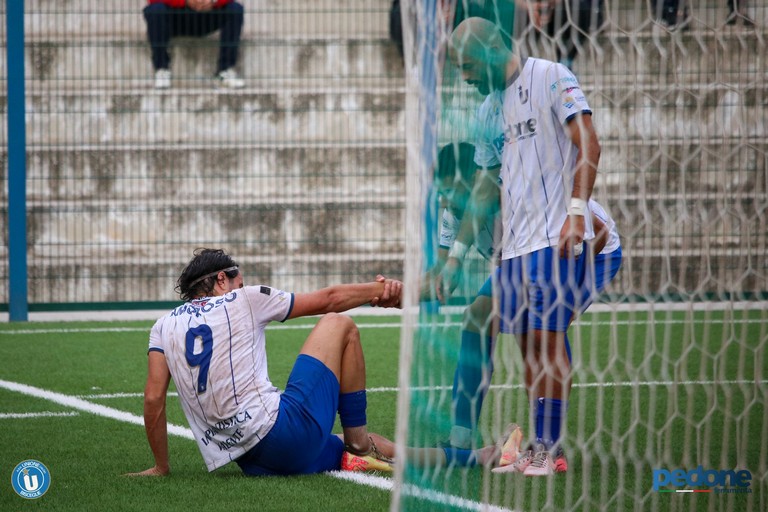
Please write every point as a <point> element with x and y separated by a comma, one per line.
<point>214,348</point>
<point>454,179</point>
<point>548,165</point>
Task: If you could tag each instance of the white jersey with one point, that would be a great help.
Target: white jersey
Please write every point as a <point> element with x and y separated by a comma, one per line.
<point>614,242</point>
<point>216,353</point>
<point>449,229</point>
<point>538,159</point>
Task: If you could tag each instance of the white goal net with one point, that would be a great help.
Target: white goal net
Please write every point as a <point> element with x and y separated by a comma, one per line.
<point>669,365</point>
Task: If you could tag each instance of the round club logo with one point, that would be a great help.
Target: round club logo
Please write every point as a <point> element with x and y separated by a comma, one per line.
<point>30,479</point>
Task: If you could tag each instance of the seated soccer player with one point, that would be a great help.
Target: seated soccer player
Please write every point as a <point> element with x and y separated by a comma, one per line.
<point>214,348</point>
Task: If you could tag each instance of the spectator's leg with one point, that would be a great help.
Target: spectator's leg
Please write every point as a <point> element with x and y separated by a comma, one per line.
<point>396,26</point>
<point>159,19</point>
<point>589,20</point>
<point>231,23</point>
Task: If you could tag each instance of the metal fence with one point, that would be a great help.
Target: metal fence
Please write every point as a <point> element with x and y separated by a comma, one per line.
<point>300,174</point>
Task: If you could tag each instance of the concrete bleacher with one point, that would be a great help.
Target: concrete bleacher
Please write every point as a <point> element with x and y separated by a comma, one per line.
<point>313,149</point>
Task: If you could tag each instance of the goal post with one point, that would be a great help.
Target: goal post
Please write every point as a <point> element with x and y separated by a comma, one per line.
<point>669,364</point>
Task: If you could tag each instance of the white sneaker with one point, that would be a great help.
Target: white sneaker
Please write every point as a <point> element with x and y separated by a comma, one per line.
<point>542,463</point>
<point>521,463</point>
<point>229,79</point>
<point>162,79</point>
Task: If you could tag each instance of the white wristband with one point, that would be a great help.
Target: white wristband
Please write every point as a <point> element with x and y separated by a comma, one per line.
<point>458,250</point>
<point>578,207</point>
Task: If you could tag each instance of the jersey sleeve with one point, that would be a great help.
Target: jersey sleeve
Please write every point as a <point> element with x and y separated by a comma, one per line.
<point>568,100</point>
<point>614,241</point>
<point>156,338</point>
<point>269,304</point>
<point>489,141</point>
<point>598,210</point>
<point>449,229</point>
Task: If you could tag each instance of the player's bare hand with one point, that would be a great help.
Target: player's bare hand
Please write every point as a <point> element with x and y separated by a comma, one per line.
<point>392,295</point>
<point>447,280</point>
<point>572,237</point>
<point>153,471</point>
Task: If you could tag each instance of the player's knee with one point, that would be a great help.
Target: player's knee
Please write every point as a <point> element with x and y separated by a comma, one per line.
<point>337,323</point>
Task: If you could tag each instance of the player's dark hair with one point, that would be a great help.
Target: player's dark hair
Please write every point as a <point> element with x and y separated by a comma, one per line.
<point>199,276</point>
<point>456,161</point>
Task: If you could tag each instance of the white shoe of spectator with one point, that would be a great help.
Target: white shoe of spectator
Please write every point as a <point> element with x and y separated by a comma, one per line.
<point>162,79</point>
<point>229,79</point>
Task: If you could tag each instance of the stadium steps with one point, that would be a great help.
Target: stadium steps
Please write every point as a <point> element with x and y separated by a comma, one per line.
<point>139,275</point>
<point>328,87</point>
<point>112,63</point>
<point>249,172</point>
<point>263,18</point>
<point>92,117</point>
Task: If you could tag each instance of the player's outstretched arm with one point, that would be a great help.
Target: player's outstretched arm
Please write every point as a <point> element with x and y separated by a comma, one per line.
<point>155,422</point>
<point>383,292</point>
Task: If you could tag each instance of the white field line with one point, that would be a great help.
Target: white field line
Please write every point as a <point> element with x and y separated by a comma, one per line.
<point>27,415</point>
<point>586,385</point>
<point>417,492</point>
<point>83,405</point>
<point>108,412</point>
<point>282,327</point>
<point>660,307</point>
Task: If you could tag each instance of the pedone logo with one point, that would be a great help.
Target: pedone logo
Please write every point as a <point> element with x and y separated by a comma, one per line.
<point>30,479</point>
<point>717,481</point>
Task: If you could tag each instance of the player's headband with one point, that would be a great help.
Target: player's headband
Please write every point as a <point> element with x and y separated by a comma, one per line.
<point>206,276</point>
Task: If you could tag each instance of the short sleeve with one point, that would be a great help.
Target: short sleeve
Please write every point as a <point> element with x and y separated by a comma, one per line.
<point>269,304</point>
<point>156,338</point>
<point>449,229</point>
<point>489,141</point>
<point>568,100</point>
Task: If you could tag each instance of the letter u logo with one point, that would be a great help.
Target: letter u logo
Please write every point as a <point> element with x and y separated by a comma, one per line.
<point>31,484</point>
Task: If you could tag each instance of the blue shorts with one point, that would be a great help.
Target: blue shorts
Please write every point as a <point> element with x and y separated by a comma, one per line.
<point>605,269</point>
<point>540,291</point>
<point>301,441</point>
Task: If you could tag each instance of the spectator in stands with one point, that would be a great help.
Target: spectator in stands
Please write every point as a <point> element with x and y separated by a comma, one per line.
<point>197,18</point>
<point>737,10</point>
<point>569,22</point>
<point>672,14</point>
<point>396,26</point>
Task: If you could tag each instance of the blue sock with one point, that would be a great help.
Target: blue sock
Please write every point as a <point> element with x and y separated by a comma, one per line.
<point>468,388</point>
<point>352,409</point>
<point>550,416</point>
<point>460,457</point>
